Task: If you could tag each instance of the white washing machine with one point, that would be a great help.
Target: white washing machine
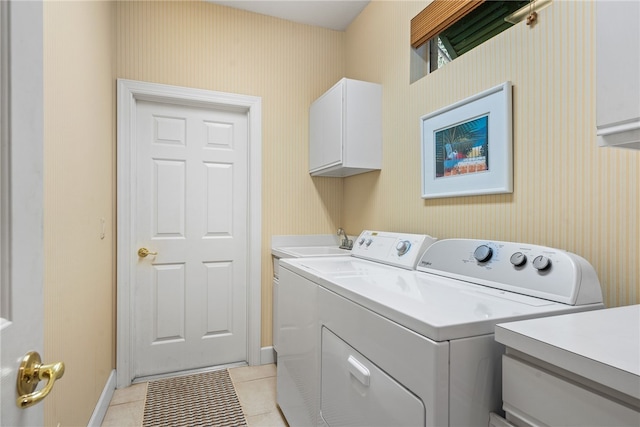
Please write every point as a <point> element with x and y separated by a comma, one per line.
<point>377,345</point>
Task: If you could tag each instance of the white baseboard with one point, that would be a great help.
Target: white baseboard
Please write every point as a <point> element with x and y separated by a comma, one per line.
<point>103,403</point>
<point>267,355</point>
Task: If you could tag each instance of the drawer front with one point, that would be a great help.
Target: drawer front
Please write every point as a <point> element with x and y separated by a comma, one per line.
<point>542,398</point>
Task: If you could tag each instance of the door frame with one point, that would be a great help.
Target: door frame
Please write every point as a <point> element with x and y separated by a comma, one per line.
<point>128,93</point>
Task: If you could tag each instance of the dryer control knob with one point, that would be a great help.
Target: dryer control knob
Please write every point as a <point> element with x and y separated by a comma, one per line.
<point>403,247</point>
<point>361,241</point>
<point>368,242</point>
<point>483,253</point>
<point>518,259</point>
<point>541,263</point>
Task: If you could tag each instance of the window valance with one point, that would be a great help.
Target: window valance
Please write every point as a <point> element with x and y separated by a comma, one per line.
<point>438,16</point>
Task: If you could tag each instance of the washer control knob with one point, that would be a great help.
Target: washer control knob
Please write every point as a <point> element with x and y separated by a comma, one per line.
<point>403,247</point>
<point>368,242</point>
<point>361,241</point>
<point>541,263</point>
<point>483,253</point>
<point>518,259</point>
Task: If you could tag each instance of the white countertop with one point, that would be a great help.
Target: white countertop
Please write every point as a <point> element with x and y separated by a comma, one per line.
<point>600,345</point>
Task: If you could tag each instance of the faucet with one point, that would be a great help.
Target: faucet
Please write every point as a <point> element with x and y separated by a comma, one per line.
<point>345,243</point>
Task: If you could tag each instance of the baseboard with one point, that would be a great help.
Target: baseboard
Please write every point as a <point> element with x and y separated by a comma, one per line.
<point>103,403</point>
<point>267,355</point>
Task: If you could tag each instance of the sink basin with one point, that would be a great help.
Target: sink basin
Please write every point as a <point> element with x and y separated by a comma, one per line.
<point>313,251</point>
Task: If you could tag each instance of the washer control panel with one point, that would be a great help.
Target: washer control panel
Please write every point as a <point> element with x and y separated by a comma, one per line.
<point>533,270</point>
<point>398,249</point>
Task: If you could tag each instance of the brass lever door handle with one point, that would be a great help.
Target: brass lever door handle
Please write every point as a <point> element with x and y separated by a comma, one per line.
<point>143,252</point>
<point>30,373</point>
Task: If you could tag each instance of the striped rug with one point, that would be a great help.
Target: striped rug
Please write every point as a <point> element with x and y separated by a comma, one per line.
<point>206,399</point>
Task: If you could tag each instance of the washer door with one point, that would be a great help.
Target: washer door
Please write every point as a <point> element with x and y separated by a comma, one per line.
<point>355,392</point>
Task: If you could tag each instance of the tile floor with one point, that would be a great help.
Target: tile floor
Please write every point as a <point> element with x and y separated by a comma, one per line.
<point>255,387</point>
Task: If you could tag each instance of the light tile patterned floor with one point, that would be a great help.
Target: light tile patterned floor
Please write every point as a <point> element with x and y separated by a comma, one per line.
<point>255,387</point>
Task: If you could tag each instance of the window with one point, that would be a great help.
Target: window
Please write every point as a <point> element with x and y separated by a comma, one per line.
<point>446,29</point>
<point>478,26</point>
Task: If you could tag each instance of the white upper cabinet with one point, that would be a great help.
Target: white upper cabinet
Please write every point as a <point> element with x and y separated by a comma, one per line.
<point>345,130</point>
<point>618,73</point>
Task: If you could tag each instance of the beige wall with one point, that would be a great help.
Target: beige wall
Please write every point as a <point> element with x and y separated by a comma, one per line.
<point>79,190</point>
<point>568,193</point>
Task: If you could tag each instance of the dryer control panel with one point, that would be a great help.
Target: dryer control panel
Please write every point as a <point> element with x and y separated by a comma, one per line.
<point>398,249</point>
<point>533,270</point>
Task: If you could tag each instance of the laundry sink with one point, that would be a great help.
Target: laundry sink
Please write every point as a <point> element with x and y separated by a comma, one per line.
<point>313,251</point>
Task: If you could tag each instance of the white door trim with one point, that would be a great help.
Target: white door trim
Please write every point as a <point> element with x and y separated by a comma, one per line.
<point>129,92</point>
<point>21,201</point>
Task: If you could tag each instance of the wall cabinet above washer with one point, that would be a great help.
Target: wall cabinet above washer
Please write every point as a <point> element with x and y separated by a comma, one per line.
<point>345,130</point>
<point>617,71</point>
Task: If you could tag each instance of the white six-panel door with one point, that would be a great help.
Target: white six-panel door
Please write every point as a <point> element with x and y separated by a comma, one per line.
<point>191,208</point>
<point>189,188</point>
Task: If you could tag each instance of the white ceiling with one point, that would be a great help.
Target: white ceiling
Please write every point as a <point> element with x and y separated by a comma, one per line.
<point>332,14</point>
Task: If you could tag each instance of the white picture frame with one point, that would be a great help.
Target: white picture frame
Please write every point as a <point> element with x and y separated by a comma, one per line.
<point>467,147</point>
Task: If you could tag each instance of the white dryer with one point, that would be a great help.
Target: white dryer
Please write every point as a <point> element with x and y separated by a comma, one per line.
<point>416,348</point>
<point>298,373</point>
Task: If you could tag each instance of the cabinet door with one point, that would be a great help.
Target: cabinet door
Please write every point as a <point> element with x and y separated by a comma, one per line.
<point>534,394</point>
<point>298,349</point>
<point>276,319</point>
<point>617,71</point>
<point>326,129</point>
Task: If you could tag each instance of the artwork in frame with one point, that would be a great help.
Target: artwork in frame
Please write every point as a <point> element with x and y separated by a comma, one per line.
<point>467,147</point>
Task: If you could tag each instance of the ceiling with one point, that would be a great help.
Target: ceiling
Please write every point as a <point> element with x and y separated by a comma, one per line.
<point>331,14</point>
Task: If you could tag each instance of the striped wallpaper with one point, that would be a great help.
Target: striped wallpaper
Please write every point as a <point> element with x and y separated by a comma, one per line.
<point>568,193</point>
<point>202,45</point>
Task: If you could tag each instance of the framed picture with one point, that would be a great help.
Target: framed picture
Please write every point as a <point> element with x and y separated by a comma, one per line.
<point>467,147</point>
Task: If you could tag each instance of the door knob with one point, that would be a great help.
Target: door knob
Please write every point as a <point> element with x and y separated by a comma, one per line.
<point>30,373</point>
<point>143,252</point>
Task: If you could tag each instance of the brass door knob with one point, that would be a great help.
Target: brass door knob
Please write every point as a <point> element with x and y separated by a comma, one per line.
<point>143,252</point>
<point>30,373</point>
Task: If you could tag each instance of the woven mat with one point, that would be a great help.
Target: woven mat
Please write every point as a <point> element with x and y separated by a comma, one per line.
<point>207,399</point>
